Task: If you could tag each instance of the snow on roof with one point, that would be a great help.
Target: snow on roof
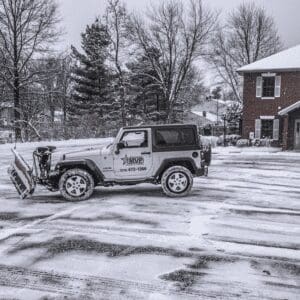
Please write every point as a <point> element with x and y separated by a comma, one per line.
<point>288,109</point>
<point>282,61</point>
<point>213,105</point>
<point>209,116</point>
<point>224,102</point>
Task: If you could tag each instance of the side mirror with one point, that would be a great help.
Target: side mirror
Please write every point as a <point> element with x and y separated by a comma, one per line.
<point>120,146</point>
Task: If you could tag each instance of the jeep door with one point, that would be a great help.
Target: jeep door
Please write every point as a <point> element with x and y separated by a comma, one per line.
<point>133,160</point>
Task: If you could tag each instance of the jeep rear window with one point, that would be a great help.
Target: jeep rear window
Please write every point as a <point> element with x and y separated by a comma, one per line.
<point>175,137</point>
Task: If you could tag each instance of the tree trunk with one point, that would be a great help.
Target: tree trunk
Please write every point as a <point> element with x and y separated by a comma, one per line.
<point>170,114</point>
<point>65,117</point>
<point>16,85</point>
<point>52,112</point>
<point>26,128</point>
<point>17,113</point>
<point>122,95</point>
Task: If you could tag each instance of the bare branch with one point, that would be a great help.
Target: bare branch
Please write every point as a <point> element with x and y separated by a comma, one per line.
<point>27,28</point>
<point>248,35</point>
<point>179,33</point>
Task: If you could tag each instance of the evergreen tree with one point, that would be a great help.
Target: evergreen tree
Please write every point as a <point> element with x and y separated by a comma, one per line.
<point>92,106</point>
<point>147,99</point>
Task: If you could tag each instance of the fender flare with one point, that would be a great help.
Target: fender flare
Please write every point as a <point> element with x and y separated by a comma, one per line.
<point>183,161</point>
<point>85,164</point>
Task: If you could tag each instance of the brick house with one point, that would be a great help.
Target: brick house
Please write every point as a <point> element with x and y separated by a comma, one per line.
<point>272,98</point>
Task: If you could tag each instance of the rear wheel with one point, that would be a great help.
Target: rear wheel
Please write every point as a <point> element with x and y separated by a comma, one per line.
<point>76,185</point>
<point>177,181</point>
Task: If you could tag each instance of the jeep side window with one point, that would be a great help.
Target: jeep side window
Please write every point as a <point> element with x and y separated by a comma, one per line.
<point>175,137</point>
<point>135,139</point>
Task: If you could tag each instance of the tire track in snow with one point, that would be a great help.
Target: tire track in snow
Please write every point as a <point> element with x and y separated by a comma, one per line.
<point>15,230</point>
<point>88,228</point>
<point>260,243</point>
<point>66,285</point>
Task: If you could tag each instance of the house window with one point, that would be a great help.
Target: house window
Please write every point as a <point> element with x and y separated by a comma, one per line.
<point>267,129</point>
<point>268,86</point>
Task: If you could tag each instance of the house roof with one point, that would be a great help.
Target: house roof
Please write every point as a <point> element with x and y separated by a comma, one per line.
<point>287,60</point>
<point>288,109</point>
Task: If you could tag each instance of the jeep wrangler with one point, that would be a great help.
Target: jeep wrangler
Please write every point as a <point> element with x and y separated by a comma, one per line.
<point>170,155</point>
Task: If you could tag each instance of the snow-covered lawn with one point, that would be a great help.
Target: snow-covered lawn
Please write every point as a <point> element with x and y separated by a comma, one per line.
<point>236,236</point>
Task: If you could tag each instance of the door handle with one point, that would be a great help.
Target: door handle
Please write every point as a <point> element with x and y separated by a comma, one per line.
<point>146,153</point>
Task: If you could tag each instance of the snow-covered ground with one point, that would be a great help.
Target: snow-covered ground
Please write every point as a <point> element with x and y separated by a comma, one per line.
<point>236,236</point>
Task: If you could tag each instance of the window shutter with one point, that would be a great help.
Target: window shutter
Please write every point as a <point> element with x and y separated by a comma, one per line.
<point>276,130</point>
<point>258,87</point>
<point>277,86</point>
<point>258,128</point>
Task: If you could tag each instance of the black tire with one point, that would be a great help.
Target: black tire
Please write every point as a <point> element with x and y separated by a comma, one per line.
<point>76,185</point>
<point>177,181</point>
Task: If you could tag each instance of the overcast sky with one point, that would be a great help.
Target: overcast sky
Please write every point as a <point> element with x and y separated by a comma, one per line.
<point>77,14</point>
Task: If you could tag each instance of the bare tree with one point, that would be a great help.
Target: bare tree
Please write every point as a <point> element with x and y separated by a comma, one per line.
<point>117,23</point>
<point>248,35</point>
<point>180,33</point>
<point>54,86</point>
<point>27,27</point>
<point>66,87</point>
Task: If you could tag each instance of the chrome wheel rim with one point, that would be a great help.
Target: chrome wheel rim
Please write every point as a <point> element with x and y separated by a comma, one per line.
<point>76,186</point>
<point>178,182</point>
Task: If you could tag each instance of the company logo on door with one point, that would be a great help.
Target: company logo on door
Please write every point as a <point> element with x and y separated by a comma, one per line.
<point>132,160</point>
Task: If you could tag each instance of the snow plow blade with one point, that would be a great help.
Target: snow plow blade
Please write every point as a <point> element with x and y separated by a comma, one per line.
<point>21,176</point>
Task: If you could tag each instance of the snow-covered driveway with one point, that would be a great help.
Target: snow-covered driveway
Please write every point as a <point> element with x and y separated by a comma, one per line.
<point>236,236</point>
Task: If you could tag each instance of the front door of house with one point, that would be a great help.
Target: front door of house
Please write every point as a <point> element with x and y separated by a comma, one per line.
<point>297,134</point>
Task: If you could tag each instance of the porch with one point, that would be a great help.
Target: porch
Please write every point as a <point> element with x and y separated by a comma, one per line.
<point>291,126</point>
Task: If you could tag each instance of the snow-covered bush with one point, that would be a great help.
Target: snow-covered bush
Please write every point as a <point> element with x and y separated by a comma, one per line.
<point>209,140</point>
<point>242,143</point>
<point>265,143</point>
<point>231,139</point>
<point>262,142</point>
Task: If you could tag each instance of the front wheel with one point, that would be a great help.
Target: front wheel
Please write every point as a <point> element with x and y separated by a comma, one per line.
<point>76,185</point>
<point>177,181</point>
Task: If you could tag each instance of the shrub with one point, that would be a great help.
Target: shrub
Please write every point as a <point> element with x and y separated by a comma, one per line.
<point>242,143</point>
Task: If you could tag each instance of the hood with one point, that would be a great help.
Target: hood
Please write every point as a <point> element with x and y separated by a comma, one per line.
<point>86,152</point>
